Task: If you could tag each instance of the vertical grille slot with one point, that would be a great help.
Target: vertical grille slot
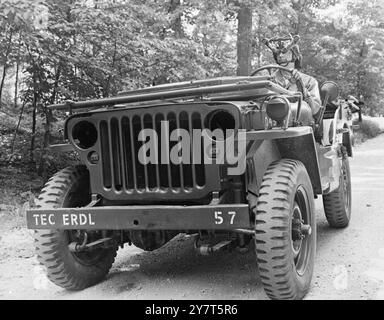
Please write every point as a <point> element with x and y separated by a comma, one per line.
<point>132,147</point>
<point>175,170</point>
<point>128,160</point>
<point>139,173</point>
<point>116,154</point>
<point>199,168</point>
<point>151,167</point>
<point>105,158</point>
<point>164,169</point>
<point>186,168</point>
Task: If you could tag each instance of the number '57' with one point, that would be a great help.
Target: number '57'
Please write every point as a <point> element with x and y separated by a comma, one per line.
<point>219,217</point>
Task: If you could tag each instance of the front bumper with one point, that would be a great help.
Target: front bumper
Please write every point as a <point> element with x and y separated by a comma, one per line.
<point>206,217</point>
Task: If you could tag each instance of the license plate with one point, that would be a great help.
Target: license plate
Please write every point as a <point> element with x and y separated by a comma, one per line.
<point>224,217</point>
<point>53,220</point>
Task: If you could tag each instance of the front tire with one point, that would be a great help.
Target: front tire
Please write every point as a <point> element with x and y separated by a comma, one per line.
<point>285,230</point>
<point>69,188</point>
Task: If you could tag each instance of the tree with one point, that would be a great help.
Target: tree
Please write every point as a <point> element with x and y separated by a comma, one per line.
<point>77,49</point>
<point>244,39</point>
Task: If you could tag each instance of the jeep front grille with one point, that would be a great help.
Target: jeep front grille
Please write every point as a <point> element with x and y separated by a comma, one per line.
<point>119,176</point>
<point>121,168</point>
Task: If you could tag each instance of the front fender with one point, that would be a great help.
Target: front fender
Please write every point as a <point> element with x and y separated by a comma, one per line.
<point>296,143</point>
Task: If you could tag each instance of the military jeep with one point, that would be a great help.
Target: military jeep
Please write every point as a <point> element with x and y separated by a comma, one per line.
<point>84,213</point>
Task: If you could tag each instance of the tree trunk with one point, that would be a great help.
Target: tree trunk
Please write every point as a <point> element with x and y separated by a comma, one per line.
<point>42,171</point>
<point>299,7</point>
<point>361,70</point>
<point>3,80</point>
<point>34,107</point>
<point>5,64</point>
<point>17,130</point>
<point>108,84</point>
<point>244,40</point>
<point>259,40</point>
<point>17,73</point>
<point>16,82</point>
<point>177,24</point>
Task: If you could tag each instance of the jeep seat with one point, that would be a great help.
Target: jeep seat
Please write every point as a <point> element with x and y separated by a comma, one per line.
<point>330,110</point>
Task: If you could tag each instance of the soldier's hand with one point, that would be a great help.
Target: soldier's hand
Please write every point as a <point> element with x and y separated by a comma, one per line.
<point>296,75</point>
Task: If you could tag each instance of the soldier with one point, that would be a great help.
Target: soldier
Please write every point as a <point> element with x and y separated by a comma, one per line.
<point>289,56</point>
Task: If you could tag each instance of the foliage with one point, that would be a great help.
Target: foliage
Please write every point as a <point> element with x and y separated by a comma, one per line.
<point>54,50</point>
<point>370,128</point>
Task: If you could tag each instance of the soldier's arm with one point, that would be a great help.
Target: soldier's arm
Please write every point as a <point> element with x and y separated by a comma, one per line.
<point>314,99</point>
<point>312,94</point>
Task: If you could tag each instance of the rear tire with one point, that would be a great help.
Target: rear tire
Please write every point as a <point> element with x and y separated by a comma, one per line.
<point>69,188</point>
<point>337,204</point>
<point>284,210</point>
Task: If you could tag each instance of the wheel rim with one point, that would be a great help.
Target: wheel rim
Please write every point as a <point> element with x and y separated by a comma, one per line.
<point>296,222</point>
<point>87,258</point>
<point>301,234</point>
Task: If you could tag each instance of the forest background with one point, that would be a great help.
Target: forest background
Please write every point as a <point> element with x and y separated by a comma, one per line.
<point>55,50</point>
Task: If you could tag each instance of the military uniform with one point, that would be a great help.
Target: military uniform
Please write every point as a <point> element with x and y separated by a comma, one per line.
<point>311,84</point>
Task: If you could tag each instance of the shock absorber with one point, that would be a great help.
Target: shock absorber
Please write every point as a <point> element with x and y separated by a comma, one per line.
<point>239,197</point>
<point>238,191</point>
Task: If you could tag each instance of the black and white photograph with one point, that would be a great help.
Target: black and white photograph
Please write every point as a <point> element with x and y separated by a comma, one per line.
<point>205,151</point>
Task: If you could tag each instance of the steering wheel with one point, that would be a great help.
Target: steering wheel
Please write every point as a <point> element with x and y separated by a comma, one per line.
<point>270,68</point>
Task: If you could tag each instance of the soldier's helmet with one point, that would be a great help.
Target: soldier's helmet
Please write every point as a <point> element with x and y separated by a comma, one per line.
<point>280,46</point>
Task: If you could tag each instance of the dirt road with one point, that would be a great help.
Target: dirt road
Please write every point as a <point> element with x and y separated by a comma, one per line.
<point>349,263</point>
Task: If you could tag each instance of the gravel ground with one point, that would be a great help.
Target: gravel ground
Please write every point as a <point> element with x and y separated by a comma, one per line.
<point>349,263</point>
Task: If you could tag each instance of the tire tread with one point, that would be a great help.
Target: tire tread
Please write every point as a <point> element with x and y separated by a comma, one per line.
<point>47,242</point>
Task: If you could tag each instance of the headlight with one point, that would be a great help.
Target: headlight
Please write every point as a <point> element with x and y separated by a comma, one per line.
<point>278,109</point>
<point>84,134</point>
<point>220,119</point>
